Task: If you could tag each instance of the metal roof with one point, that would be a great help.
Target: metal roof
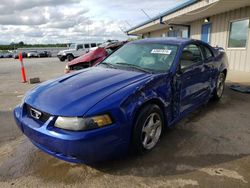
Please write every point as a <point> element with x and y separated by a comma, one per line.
<point>166,40</point>
<point>181,6</point>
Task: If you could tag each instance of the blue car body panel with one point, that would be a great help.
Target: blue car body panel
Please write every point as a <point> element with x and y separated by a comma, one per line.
<point>86,87</point>
<point>120,93</point>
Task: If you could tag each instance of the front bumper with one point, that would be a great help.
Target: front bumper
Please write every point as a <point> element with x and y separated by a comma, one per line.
<point>77,147</point>
<point>61,57</point>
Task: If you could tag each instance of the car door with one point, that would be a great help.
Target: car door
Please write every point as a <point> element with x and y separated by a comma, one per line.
<point>192,79</point>
<point>79,50</point>
<point>209,63</point>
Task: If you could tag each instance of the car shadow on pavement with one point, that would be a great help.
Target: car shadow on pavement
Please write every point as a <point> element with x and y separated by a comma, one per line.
<point>9,130</point>
<point>187,147</point>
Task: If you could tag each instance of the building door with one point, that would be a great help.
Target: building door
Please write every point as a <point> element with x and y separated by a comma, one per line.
<point>173,33</point>
<point>206,32</point>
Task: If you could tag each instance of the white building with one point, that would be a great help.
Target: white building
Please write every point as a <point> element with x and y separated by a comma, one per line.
<point>223,23</point>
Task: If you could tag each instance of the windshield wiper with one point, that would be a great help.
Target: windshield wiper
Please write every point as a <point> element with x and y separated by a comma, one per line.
<point>108,64</point>
<point>135,67</point>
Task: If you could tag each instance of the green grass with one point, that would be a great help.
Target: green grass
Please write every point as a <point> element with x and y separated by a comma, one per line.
<point>11,47</point>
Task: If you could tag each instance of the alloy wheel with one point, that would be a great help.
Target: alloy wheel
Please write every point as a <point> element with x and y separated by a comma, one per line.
<point>151,131</point>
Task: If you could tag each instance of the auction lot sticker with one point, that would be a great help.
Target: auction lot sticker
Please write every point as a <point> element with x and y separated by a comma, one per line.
<point>161,51</point>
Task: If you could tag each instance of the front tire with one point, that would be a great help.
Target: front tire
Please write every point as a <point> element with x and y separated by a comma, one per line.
<point>148,129</point>
<point>62,59</point>
<point>220,86</point>
<point>70,57</point>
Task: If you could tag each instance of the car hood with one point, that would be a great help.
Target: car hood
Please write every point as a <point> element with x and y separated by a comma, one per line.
<point>66,51</point>
<point>74,94</point>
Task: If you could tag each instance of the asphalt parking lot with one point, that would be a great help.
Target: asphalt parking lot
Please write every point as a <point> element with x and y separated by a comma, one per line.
<point>209,148</point>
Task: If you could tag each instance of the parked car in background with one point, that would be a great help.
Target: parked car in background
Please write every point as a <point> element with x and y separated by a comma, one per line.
<point>16,55</point>
<point>44,54</point>
<point>108,42</point>
<point>93,57</point>
<point>75,50</point>
<point>8,55</point>
<point>32,54</point>
<point>124,102</point>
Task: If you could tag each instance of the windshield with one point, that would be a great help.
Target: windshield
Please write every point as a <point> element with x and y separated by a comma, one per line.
<point>148,57</point>
<point>72,46</point>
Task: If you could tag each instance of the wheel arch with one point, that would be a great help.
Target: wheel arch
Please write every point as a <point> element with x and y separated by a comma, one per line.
<point>69,54</point>
<point>153,101</point>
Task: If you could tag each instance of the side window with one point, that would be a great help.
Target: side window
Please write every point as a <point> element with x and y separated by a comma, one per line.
<point>93,45</point>
<point>191,55</point>
<point>79,46</point>
<point>86,45</point>
<point>207,53</point>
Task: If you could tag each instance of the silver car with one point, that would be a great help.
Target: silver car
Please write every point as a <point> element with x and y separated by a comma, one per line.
<point>32,54</point>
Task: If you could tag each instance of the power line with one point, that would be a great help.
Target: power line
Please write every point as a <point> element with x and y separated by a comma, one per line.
<point>146,13</point>
<point>128,23</point>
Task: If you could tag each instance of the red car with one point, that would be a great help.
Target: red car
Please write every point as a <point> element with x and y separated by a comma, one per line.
<point>93,57</point>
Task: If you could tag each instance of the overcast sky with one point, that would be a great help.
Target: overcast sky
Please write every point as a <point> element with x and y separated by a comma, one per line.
<point>64,21</point>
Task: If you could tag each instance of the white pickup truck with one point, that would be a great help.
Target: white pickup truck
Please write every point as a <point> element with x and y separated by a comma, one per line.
<point>75,50</point>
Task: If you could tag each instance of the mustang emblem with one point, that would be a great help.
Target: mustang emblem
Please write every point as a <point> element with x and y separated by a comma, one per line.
<point>35,114</point>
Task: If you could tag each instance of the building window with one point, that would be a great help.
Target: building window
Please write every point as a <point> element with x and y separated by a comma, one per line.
<point>185,33</point>
<point>238,34</point>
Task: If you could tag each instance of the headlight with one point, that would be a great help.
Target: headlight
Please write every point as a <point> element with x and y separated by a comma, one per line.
<point>22,101</point>
<point>81,124</point>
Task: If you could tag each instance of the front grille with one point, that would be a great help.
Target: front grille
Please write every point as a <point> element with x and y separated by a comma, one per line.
<point>43,118</point>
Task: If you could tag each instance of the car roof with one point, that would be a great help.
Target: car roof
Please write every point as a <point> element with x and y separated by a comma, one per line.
<point>166,40</point>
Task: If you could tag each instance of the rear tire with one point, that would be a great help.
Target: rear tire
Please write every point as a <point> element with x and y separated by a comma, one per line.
<point>220,87</point>
<point>148,129</point>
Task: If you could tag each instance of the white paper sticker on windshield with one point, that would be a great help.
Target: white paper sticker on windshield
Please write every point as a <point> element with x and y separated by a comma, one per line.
<point>161,51</point>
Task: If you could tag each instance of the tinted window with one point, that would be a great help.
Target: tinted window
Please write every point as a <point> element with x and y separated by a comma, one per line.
<point>152,57</point>
<point>86,45</point>
<point>79,46</point>
<point>207,52</point>
<point>238,34</point>
<point>93,45</point>
<point>191,55</point>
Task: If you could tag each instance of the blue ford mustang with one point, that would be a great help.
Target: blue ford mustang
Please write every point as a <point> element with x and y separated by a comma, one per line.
<point>123,103</point>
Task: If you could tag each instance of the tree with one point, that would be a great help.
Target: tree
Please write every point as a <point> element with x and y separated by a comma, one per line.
<point>21,43</point>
